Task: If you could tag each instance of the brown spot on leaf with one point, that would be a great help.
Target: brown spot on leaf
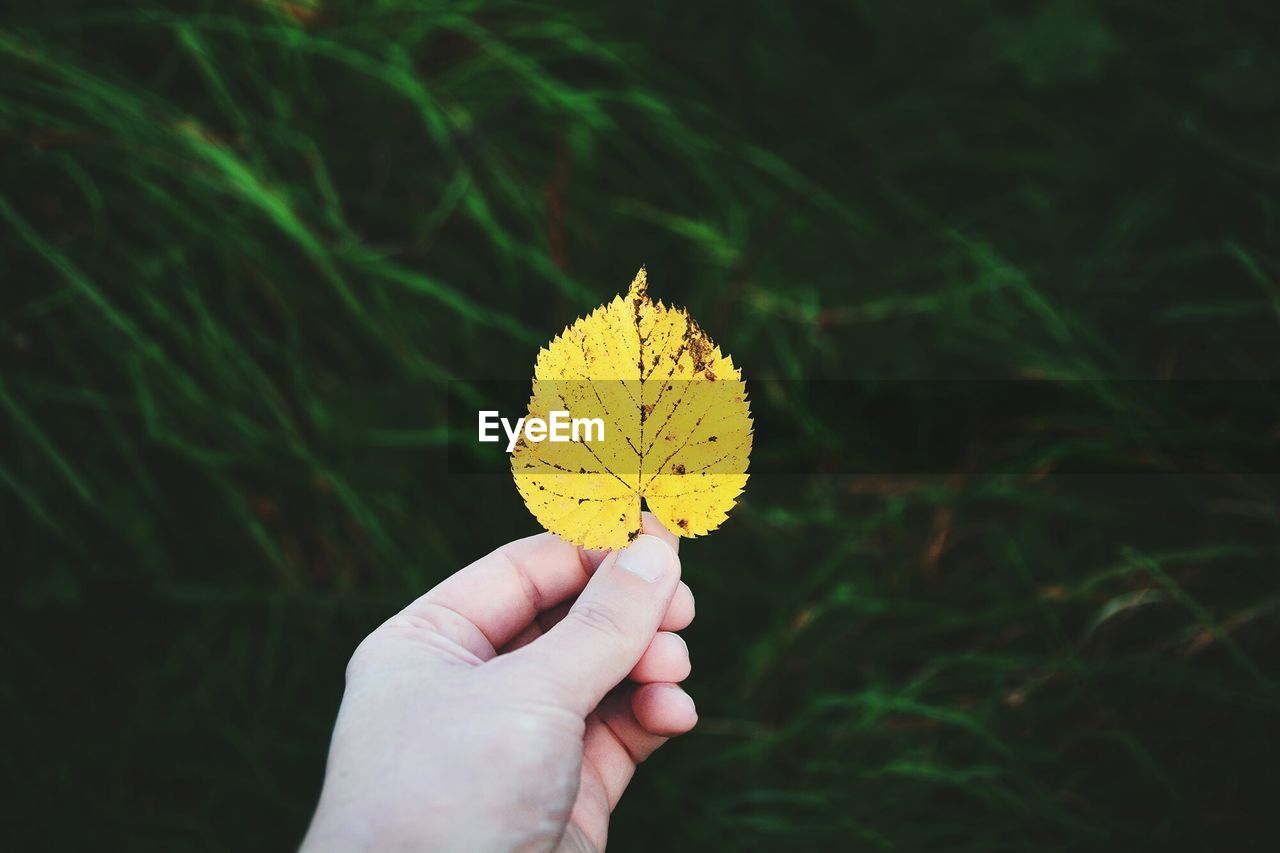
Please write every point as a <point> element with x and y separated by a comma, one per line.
<point>700,347</point>
<point>679,469</point>
<point>683,524</point>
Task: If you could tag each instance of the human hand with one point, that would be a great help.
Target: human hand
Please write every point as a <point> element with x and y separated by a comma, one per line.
<point>491,713</point>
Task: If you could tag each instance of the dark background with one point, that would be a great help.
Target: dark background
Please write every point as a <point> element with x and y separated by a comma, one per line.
<point>245,245</point>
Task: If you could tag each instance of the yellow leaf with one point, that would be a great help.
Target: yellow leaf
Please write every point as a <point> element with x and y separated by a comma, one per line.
<point>677,426</point>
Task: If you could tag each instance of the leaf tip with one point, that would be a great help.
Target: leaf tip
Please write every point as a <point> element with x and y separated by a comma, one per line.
<point>639,286</point>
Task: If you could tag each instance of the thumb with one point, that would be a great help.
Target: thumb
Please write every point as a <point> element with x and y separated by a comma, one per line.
<point>610,625</point>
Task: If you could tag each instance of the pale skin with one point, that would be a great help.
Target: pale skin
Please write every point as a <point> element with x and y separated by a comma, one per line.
<point>508,707</point>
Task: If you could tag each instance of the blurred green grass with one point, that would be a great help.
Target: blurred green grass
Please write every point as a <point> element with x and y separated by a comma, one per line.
<point>244,244</point>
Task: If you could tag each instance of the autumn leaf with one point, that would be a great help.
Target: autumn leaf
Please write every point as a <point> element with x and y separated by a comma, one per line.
<point>677,426</point>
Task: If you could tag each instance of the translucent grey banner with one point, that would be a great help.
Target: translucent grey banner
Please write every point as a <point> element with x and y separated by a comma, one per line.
<point>911,427</point>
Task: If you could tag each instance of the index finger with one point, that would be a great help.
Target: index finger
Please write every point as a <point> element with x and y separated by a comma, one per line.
<point>504,591</point>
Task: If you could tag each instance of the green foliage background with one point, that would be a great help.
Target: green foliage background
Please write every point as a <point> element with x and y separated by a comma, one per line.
<point>244,244</point>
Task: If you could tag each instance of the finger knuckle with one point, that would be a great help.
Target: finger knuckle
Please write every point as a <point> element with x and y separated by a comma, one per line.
<point>359,661</point>
<point>600,618</point>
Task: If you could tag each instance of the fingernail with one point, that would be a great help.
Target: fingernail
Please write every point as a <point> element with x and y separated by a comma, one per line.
<point>647,557</point>
<point>677,690</point>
